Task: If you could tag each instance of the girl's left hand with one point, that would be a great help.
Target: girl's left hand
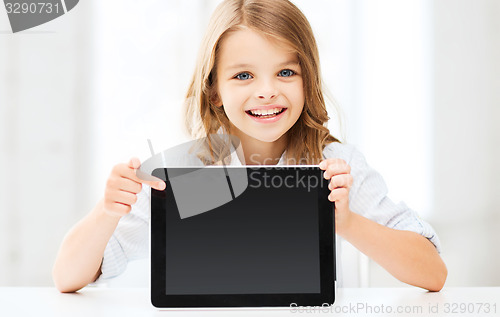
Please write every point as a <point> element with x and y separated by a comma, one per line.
<point>339,174</point>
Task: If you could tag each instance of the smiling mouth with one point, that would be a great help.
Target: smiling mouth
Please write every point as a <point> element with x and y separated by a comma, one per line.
<point>266,113</point>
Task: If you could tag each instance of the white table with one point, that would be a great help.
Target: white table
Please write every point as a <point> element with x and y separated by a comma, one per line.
<point>41,301</point>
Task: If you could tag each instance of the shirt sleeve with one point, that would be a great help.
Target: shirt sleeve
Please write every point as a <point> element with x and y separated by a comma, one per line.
<point>368,196</point>
<point>130,239</point>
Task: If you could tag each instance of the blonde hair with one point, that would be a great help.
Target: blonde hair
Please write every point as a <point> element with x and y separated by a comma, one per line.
<point>279,20</point>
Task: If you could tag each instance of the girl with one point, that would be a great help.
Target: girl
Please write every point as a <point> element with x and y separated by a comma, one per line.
<point>258,78</point>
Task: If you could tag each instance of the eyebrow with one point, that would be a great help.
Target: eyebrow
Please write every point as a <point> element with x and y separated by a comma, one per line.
<point>290,62</point>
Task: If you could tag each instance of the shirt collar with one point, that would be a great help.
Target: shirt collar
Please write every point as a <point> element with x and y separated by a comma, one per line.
<point>235,160</point>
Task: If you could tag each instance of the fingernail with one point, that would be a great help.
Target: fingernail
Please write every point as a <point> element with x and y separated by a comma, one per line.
<point>162,185</point>
<point>322,165</point>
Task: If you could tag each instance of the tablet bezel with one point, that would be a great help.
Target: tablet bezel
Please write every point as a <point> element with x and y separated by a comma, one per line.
<point>326,219</point>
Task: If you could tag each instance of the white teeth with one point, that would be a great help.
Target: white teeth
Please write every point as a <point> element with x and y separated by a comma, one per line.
<point>265,112</point>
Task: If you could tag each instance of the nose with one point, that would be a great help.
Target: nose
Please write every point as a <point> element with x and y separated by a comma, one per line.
<point>266,90</point>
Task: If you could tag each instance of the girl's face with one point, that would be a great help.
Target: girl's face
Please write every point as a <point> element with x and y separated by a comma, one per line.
<point>260,86</point>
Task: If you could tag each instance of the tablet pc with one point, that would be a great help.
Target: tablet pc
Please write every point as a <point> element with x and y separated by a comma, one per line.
<point>242,237</point>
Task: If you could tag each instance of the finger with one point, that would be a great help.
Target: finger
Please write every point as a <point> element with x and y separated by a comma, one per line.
<point>113,195</point>
<point>134,163</point>
<point>117,182</point>
<point>130,186</point>
<point>123,197</point>
<point>131,172</point>
<point>326,162</point>
<point>323,164</point>
<point>338,195</point>
<point>145,178</point>
<point>336,168</point>
<point>157,184</point>
<point>342,180</point>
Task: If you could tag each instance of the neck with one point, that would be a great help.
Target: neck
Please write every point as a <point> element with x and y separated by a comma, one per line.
<point>258,152</point>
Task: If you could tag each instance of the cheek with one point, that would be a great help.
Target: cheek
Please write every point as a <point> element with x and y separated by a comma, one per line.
<point>230,101</point>
<point>231,112</point>
<point>297,97</point>
<point>233,97</point>
<point>225,95</point>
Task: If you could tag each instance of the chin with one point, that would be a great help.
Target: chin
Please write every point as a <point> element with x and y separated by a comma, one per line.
<point>263,135</point>
<point>268,138</point>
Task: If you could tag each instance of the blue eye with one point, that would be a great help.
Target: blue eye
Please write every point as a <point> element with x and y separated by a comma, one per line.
<point>243,76</point>
<point>286,73</point>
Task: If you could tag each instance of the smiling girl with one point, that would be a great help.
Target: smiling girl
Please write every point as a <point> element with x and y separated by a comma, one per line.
<point>258,78</point>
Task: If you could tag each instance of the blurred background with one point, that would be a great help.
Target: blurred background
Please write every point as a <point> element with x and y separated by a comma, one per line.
<point>417,82</point>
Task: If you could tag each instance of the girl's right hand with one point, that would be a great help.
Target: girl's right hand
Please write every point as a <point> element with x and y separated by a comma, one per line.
<point>122,188</point>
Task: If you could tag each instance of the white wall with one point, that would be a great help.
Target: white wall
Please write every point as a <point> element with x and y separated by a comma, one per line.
<point>465,207</point>
<point>467,98</point>
<point>45,152</point>
<point>467,138</point>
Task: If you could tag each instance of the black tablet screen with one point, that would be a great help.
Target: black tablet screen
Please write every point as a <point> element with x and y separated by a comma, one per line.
<point>263,241</point>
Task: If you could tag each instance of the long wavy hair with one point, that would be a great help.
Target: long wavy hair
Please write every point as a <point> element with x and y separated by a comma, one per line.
<point>280,20</point>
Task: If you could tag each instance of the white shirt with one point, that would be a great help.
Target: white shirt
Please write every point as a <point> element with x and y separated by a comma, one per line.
<point>367,197</point>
